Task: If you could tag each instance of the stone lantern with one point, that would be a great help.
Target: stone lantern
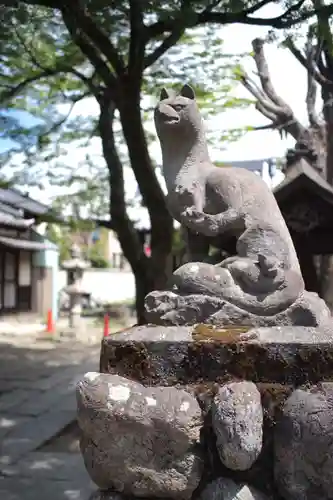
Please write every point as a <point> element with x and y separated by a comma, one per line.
<point>75,267</point>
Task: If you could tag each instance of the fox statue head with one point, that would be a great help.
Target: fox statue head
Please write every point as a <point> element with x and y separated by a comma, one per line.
<point>177,115</point>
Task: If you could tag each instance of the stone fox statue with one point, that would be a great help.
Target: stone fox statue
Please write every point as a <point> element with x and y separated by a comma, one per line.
<point>211,202</point>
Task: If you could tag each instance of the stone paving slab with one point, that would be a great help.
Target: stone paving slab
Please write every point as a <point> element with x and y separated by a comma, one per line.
<point>10,399</point>
<point>50,410</point>
<point>58,377</point>
<point>49,380</point>
<point>68,403</point>
<point>34,488</point>
<point>32,395</point>
<point>37,401</point>
<point>24,372</point>
<point>8,423</point>
<point>32,434</point>
<point>46,465</point>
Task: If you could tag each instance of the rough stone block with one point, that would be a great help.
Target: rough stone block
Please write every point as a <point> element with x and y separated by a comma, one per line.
<point>241,378</point>
<point>159,355</point>
<point>237,420</point>
<point>304,445</point>
<point>138,440</point>
<point>226,489</point>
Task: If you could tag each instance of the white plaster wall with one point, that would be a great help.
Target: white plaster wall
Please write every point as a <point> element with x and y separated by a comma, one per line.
<point>49,258</point>
<point>109,285</point>
<point>114,246</point>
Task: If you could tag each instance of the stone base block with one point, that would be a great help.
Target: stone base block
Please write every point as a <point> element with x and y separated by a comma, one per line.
<point>169,308</point>
<point>201,412</point>
<point>160,355</point>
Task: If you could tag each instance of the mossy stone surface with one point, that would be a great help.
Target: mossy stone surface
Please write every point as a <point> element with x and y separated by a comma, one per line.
<point>159,355</point>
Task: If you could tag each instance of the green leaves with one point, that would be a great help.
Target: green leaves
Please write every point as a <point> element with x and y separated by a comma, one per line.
<point>50,75</point>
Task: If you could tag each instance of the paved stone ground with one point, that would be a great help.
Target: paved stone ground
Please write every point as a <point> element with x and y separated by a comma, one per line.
<point>37,401</point>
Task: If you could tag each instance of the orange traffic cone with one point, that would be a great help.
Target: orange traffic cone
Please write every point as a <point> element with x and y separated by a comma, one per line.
<point>49,323</point>
<point>106,325</point>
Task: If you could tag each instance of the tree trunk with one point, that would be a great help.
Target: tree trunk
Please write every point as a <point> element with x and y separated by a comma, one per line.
<point>143,285</point>
<point>326,263</point>
<point>150,273</point>
<point>128,237</point>
<point>152,194</point>
<point>328,113</point>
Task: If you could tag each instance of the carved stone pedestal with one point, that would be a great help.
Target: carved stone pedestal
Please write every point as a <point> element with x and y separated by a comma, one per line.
<point>194,412</point>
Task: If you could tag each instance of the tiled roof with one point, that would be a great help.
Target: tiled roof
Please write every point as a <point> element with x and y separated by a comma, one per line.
<point>17,200</point>
<point>24,244</point>
<point>300,175</point>
<point>252,165</point>
<point>18,223</point>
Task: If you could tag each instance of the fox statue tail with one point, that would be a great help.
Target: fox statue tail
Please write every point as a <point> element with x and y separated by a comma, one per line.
<point>259,286</point>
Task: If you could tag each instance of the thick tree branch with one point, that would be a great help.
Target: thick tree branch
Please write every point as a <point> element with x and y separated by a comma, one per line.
<point>178,26</point>
<point>310,142</point>
<point>325,34</point>
<point>90,51</point>
<point>263,73</point>
<point>261,97</point>
<point>128,236</point>
<point>269,103</point>
<point>311,95</point>
<point>253,89</point>
<point>206,16</point>
<point>167,43</point>
<point>267,114</point>
<point>82,21</point>
<point>87,80</point>
<point>9,94</point>
<point>251,86</point>
<point>268,126</point>
<point>309,65</point>
<point>175,35</point>
<point>287,19</point>
<point>137,39</point>
<point>256,6</point>
<point>311,101</point>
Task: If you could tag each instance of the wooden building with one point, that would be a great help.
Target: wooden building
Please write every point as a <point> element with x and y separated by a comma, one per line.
<point>26,281</point>
<point>306,202</point>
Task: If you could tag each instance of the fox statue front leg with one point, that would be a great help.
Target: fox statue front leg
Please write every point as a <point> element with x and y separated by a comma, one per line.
<point>212,224</point>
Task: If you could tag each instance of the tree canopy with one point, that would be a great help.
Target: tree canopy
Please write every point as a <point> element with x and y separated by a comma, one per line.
<point>190,13</point>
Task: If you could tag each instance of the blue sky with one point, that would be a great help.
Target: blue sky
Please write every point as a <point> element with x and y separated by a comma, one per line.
<point>288,77</point>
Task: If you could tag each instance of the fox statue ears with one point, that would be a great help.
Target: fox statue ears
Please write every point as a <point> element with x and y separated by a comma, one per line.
<point>164,94</point>
<point>186,91</point>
